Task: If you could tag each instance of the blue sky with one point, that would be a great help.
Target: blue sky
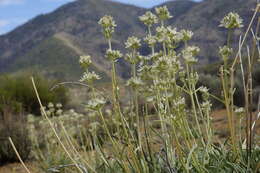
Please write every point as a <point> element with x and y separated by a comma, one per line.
<point>16,12</point>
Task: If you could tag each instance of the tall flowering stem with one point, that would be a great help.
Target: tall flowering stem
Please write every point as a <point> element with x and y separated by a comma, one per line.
<point>231,21</point>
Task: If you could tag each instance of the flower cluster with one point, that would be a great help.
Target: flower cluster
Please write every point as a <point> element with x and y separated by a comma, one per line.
<point>52,110</point>
<point>150,40</point>
<point>108,24</point>
<point>133,43</point>
<point>225,52</point>
<point>95,104</point>
<point>231,21</point>
<point>89,77</point>
<point>133,60</point>
<point>187,35</point>
<point>135,82</point>
<point>149,19</point>
<point>85,61</point>
<point>189,54</point>
<point>163,13</point>
<point>113,55</point>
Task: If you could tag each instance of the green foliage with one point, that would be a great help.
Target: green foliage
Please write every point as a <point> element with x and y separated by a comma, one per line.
<point>18,92</point>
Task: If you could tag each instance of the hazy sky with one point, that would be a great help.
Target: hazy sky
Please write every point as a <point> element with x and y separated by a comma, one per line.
<point>16,12</point>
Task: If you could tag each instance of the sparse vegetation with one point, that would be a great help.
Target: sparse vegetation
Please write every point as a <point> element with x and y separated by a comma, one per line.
<point>13,124</point>
<point>179,134</point>
<point>18,93</point>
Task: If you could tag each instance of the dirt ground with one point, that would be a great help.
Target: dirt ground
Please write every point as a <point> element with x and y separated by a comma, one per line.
<point>18,168</point>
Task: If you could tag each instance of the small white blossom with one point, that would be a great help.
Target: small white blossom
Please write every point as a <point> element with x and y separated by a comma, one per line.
<point>50,105</point>
<point>163,13</point>
<point>135,82</point>
<point>225,52</point>
<point>231,21</point>
<point>133,43</point>
<point>240,110</point>
<point>189,53</point>
<point>113,55</point>
<point>59,105</point>
<point>203,89</point>
<point>108,24</point>
<point>150,40</point>
<point>149,19</point>
<point>85,61</point>
<point>187,35</point>
<point>95,104</point>
<point>89,77</point>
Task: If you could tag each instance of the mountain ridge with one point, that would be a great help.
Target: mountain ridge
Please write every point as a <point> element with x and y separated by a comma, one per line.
<point>78,21</point>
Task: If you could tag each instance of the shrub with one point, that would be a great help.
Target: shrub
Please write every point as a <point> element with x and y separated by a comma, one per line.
<point>19,94</point>
<point>14,126</point>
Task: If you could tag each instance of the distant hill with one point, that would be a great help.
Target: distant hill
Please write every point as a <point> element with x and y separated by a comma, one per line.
<point>53,42</point>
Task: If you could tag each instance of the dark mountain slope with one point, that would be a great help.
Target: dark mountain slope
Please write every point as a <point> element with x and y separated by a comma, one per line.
<point>203,19</point>
<point>74,27</point>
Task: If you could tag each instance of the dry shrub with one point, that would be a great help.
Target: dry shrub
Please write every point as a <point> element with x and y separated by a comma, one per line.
<point>14,126</point>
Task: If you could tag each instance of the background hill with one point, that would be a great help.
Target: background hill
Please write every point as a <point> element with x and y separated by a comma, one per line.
<point>52,43</point>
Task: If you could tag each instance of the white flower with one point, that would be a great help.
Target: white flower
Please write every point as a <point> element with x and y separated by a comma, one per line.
<point>133,60</point>
<point>85,61</point>
<point>162,35</point>
<point>187,35</point>
<point>133,43</point>
<point>179,102</point>
<point>50,105</point>
<point>240,110</point>
<point>163,13</point>
<point>89,77</point>
<point>108,24</point>
<point>59,105</point>
<point>203,89</point>
<point>225,52</point>
<point>149,19</point>
<point>95,103</point>
<point>231,21</point>
<point>206,106</point>
<point>150,40</point>
<point>135,82</point>
<point>189,53</point>
<point>113,55</point>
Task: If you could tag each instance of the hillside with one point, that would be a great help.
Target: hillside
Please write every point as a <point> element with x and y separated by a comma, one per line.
<point>76,20</point>
<point>53,42</point>
<point>203,19</point>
